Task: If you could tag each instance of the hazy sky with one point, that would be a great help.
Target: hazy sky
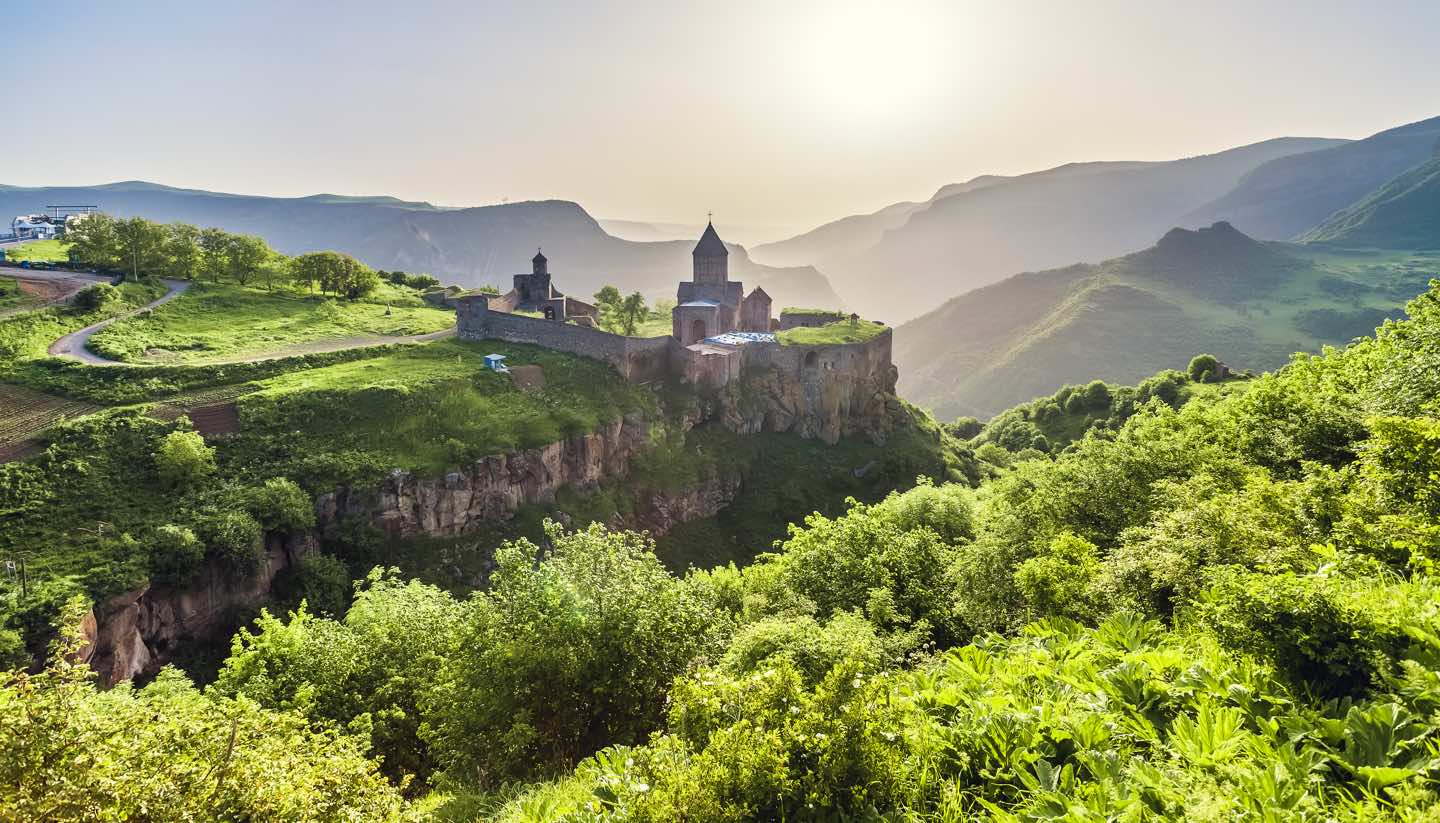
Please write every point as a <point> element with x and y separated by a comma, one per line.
<point>767,112</point>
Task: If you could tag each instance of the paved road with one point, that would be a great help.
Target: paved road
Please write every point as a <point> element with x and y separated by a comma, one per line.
<point>72,345</point>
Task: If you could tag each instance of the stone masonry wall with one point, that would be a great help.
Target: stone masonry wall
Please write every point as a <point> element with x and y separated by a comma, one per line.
<point>638,359</point>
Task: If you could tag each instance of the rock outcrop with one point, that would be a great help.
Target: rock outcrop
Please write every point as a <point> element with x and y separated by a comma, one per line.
<point>492,488</point>
<point>134,634</point>
<point>823,392</point>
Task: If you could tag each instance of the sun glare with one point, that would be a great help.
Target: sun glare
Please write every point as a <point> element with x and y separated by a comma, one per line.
<point>866,62</point>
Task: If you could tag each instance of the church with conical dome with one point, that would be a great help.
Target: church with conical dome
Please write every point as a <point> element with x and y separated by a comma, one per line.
<point>710,303</point>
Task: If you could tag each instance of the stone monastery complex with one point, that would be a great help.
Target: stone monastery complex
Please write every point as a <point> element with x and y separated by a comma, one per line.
<point>719,335</point>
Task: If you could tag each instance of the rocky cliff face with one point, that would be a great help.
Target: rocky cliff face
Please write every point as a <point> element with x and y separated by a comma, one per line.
<point>824,392</point>
<point>135,633</point>
<point>492,488</point>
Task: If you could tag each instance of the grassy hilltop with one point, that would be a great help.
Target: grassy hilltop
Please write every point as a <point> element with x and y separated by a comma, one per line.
<point>221,321</point>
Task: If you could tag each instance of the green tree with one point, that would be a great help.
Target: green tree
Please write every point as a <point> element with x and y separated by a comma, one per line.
<point>175,555</point>
<point>94,241</point>
<point>245,255</point>
<point>233,539</point>
<point>1202,368</point>
<point>607,297</point>
<point>183,460</point>
<point>280,505</point>
<point>141,247</point>
<point>69,751</point>
<point>631,312</point>
<point>214,252</point>
<point>564,655</point>
<point>370,670</point>
<point>182,251</point>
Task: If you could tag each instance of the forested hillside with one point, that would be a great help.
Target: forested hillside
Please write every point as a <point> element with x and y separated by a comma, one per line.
<point>1214,289</point>
<point>1204,610</point>
<point>1402,214</point>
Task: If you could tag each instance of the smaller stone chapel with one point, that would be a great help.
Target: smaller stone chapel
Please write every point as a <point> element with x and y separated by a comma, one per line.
<point>710,303</point>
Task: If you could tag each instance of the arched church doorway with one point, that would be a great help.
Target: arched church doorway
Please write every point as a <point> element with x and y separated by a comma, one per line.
<point>697,330</point>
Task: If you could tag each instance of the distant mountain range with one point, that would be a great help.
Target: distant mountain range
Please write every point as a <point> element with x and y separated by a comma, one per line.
<point>1251,303</point>
<point>468,246</point>
<point>1290,195</point>
<point>1402,214</point>
<point>978,232</point>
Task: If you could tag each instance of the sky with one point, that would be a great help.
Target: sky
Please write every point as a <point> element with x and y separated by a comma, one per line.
<point>772,113</point>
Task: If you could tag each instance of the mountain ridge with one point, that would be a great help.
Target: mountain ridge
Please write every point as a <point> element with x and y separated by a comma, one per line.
<point>470,246</point>
<point>1076,211</point>
<point>1214,289</point>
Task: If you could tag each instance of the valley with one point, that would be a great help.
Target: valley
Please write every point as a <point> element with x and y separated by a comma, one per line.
<point>1100,486</point>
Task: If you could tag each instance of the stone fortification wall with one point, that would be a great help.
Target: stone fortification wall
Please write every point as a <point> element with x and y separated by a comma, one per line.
<point>807,319</point>
<point>638,359</point>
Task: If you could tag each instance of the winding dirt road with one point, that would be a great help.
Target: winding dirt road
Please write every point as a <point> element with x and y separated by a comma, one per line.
<point>72,345</point>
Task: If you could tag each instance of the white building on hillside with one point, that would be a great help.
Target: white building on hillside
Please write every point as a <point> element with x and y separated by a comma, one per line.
<point>36,227</point>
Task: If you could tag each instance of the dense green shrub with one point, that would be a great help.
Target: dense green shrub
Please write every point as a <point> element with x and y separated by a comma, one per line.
<point>232,538</point>
<point>183,460</point>
<point>1203,368</point>
<point>95,298</point>
<point>175,555</point>
<point>368,671</point>
<point>280,505</point>
<point>564,655</point>
<point>69,751</point>
<point>317,580</point>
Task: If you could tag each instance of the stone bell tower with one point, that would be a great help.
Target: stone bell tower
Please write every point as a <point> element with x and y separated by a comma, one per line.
<point>711,258</point>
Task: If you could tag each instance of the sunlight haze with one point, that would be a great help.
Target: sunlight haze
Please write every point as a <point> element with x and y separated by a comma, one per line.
<point>776,115</point>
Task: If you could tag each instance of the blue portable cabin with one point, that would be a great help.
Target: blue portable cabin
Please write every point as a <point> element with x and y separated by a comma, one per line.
<point>496,362</point>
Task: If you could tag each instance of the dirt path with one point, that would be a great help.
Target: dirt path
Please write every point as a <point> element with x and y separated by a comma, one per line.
<point>72,345</point>
<point>52,288</point>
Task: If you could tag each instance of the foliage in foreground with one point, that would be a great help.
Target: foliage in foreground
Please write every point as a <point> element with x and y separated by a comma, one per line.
<point>167,752</point>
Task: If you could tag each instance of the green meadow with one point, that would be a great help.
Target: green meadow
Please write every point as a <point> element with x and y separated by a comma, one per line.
<point>213,322</point>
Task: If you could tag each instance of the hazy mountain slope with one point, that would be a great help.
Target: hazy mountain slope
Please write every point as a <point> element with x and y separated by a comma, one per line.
<point>469,246</point>
<point>852,235</point>
<point>1290,195</point>
<point>1089,211</point>
<point>1402,214</point>
<point>1249,302</point>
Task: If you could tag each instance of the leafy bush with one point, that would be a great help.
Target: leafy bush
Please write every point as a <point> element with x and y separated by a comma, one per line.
<point>96,297</point>
<point>564,655</point>
<point>317,580</point>
<point>280,505</point>
<point>69,751</point>
<point>175,555</point>
<point>1203,368</point>
<point>232,538</point>
<point>183,460</point>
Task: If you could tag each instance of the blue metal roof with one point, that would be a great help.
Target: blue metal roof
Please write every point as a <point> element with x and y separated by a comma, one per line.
<point>740,338</point>
<point>701,303</point>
